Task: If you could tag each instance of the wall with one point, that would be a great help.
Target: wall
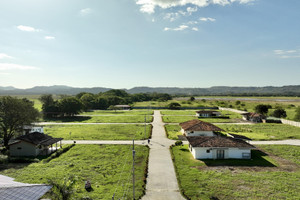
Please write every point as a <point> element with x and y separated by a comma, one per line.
<point>27,149</point>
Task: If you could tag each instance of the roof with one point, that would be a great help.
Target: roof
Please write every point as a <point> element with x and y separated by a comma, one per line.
<point>207,111</point>
<point>9,189</point>
<point>123,106</point>
<point>252,114</point>
<point>198,125</point>
<point>217,141</point>
<point>37,138</point>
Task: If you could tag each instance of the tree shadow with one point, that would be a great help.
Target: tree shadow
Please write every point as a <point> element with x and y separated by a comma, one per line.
<point>257,160</point>
<point>68,119</point>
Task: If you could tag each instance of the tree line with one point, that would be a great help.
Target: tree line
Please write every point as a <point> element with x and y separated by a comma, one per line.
<point>72,105</point>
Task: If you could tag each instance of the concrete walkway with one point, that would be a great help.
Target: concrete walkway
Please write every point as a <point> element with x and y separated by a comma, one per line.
<point>161,182</point>
<point>287,142</point>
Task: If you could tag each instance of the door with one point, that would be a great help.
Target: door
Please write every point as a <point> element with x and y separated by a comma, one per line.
<point>220,154</point>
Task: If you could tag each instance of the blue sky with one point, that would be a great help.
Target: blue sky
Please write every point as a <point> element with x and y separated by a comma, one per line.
<point>157,43</point>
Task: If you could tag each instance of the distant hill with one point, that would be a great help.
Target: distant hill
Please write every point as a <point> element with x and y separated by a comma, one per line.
<point>291,90</point>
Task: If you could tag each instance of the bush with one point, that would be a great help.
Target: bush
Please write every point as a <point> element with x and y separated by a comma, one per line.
<point>178,143</point>
<point>174,106</point>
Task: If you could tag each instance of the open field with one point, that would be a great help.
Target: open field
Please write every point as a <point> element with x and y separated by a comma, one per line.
<point>264,131</point>
<point>108,167</point>
<point>263,177</point>
<point>99,132</point>
<point>103,119</point>
<point>118,112</point>
<point>172,131</point>
<point>231,115</point>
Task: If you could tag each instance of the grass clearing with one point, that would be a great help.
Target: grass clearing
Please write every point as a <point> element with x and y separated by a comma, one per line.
<point>103,119</point>
<point>118,112</point>
<point>172,131</point>
<point>101,164</point>
<point>263,131</point>
<point>179,119</point>
<point>99,131</point>
<point>199,180</point>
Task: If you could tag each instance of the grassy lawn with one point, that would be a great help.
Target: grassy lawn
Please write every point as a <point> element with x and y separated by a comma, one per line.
<point>104,119</point>
<point>262,177</point>
<point>118,112</point>
<point>264,131</point>
<point>108,167</point>
<point>178,112</point>
<point>172,131</point>
<point>99,132</point>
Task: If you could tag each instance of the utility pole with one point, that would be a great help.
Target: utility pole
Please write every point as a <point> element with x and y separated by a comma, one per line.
<point>133,181</point>
<point>145,126</point>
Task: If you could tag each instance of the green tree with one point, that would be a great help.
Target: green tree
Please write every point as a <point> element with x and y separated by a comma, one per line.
<point>297,115</point>
<point>262,109</point>
<point>192,98</point>
<point>50,106</point>
<point>174,106</point>
<point>14,114</point>
<point>88,101</point>
<point>279,113</point>
<point>70,106</point>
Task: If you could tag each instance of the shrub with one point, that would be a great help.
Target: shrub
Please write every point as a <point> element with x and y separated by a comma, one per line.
<point>178,143</point>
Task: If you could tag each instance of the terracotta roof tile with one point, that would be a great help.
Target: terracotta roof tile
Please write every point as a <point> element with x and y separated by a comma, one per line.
<point>198,125</point>
<point>217,141</point>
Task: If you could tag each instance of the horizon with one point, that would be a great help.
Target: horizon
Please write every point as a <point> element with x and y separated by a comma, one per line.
<point>176,43</point>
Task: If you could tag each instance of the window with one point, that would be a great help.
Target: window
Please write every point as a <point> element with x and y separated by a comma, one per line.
<point>207,151</point>
<point>246,155</point>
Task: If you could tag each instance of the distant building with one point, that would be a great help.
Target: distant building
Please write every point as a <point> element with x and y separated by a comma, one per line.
<point>31,129</point>
<point>253,117</point>
<point>207,113</point>
<point>33,144</point>
<point>123,107</point>
<point>218,147</point>
<point>196,127</point>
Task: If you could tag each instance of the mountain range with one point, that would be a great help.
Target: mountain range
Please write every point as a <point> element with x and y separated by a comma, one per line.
<point>290,90</point>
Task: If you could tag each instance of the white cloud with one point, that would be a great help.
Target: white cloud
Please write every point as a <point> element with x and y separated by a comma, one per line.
<point>3,56</point>
<point>206,19</point>
<point>195,29</point>
<point>49,38</point>
<point>148,6</point>
<point>11,66</point>
<point>28,28</point>
<point>191,10</point>
<point>85,11</point>
<point>287,53</point>
<point>171,16</point>
<point>179,28</point>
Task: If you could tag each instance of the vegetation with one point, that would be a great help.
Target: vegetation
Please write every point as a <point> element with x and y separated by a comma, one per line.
<point>173,131</point>
<point>264,131</point>
<point>14,114</point>
<point>279,113</point>
<point>103,119</point>
<point>107,167</point>
<point>99,132</point>
<point>297,115</point>
<point>174,106</point>
<point>119,112</point>
<point>262,109</point>
<point>179,119</point>
<point>262,177</point>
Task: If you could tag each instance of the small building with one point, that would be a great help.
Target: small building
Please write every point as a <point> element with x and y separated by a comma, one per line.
<point>33,144</point>
<point>31,129</point>
<point>219,147</point>
<point>123,107</point>
<point>208,113</point>
<point>197,127</point>
<point>253,117</point>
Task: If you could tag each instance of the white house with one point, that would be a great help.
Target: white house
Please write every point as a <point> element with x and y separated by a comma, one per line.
<point>253,117</point>
<point>218,147</point>
<point>33,144</point>
<point>196,127</point>
<point>31,129</point>
<point>208,113</point>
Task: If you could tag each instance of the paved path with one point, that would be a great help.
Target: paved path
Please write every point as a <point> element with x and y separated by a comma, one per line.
<point>161,182</point>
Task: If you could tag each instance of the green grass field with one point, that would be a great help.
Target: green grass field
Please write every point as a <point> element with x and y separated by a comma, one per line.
<point>108,167</point>
<point>172,131</point>
<point>104,119</point>
<point>99,132</point>
<point>263,177</point>
<point>264,131</point>
<point>179,119</point>
<point>118,112</point>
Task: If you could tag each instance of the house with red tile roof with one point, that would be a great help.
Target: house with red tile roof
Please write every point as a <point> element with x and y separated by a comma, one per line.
<point>197,127</point>
<point>219,147</point>
<point>207,113</point>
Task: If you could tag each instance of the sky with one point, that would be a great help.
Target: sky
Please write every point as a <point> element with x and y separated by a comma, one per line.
<point>155,43</point>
